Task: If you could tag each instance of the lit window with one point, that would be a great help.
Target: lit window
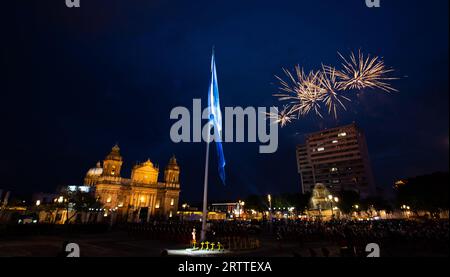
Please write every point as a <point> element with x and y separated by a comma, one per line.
<point>172,201</point>
<point>170,214</point>
<point>320,149</point>
<point>142,198</point>
<point>335,141</point>
<point>108,200</point>
<point>344,134</point>
<point>158,202</point>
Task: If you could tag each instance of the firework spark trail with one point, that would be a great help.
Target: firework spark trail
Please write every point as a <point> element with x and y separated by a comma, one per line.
<point>333,97</point>
<point>364,72</point>
<point>291,88</point>
<point>307,93</point>
<point>282,117</point>
<point>310,95</point>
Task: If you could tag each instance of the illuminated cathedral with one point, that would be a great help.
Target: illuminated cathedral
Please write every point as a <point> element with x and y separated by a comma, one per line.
<point>137,198</point>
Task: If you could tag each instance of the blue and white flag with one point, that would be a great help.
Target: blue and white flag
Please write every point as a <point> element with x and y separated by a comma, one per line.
<point>215,117</point>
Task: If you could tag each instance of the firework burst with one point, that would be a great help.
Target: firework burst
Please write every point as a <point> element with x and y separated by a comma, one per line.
<point>333,92</point>
<point>282,117</point>
<point>292,87</point>
<point>302,91</point>
<point>310,95</point>
<point>307,92</point>
<point>364,72</point>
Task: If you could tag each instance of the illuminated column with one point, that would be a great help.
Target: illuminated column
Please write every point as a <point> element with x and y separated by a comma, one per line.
<point>153,204</point>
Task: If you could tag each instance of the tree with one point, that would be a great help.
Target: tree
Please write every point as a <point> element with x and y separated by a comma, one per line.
<point>80,202</point>
<point>349,198</point>
<point>303,201</point>
<point>256,202</point>
<point>286,200</point>
<point>377,202</point>
<point>427,192</point>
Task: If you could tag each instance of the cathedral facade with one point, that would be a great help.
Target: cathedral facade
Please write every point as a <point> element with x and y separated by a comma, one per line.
<point>137,198</point>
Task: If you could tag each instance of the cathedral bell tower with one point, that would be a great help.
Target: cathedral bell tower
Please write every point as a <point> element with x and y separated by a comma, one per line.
<point>112,163</point>
<point>172,172</point>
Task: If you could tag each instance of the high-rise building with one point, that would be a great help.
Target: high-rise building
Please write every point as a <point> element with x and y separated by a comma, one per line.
<point>337,158</point>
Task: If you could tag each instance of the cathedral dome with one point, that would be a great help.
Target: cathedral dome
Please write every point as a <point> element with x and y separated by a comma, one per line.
<point>95,171</point>
<point>114,154</point>
<point>148,163</point>
<point>173,164</point>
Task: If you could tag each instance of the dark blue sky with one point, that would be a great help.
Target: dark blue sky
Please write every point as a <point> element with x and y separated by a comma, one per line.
<point>76,81</point>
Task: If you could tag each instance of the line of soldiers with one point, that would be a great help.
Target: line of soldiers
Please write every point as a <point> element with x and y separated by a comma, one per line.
<point>205,245</point>
<point>230,243</point>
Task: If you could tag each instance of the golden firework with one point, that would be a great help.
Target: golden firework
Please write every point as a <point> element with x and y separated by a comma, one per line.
<point>307,92</point>
<point>333,92</point>
<point>282,117</point>
<point>364,72</point>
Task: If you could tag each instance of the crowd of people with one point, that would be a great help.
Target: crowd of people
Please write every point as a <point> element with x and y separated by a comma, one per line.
<point>341,233</point>
<point>183,231</point>
<point>358,234</point>
<point>405,230</point>
<point>351,234</point>
<point>334,230</point>
<point>164,230</point>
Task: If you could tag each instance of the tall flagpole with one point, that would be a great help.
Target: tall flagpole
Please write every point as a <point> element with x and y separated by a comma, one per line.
<point>205,188</point>
<point>205,182</point>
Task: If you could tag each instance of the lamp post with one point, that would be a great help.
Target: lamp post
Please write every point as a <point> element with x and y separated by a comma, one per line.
<point>332,199</point>
<point>356,210</point>
<point>240,205</point>
<point>337,201</point>
<point>269,197</point>
<point>239,209</point>
<point>406,210</point>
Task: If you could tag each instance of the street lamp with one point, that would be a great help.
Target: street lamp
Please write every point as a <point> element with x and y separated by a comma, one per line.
<point>331,199</point>
<point>404,207</point>
<point>269,197</point>
<point>240,204</point>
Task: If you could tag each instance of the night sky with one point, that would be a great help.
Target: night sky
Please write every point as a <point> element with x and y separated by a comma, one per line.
<point>76,81</point>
